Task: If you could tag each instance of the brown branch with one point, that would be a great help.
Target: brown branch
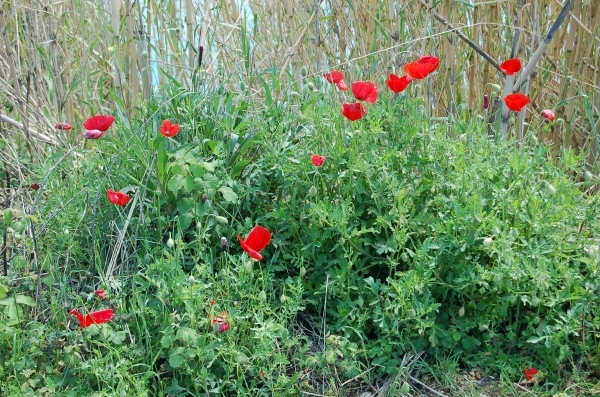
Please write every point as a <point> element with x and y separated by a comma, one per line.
<point>540,51</point>
<point>464,38</point>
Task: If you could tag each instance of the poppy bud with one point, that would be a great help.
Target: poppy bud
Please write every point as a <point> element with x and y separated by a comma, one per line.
<point>262,296</point>
<point>249,265</point>
<point>282,298</point>
<point>311,86</point>
<point>221,219</point>
<point>191,279</point>
<point>145,54</point>
<point>204,198</point>
<point>486,101</point>
<point>461,312</point>
<point>463,138</point>
<point>487,241</point>
<point>170,242</point>
<point>495,230</point>
<point>302,271</point>
<point>548,114</point>
<point>303,71</point>
<point>223,243</point>
<point>312,191</point>
<point>551,189</point>
<point>496,87</point>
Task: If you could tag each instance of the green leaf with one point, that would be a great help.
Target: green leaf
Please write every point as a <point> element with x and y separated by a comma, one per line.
<point>456,336</point>
<point>185,220</point>
<point>175,183</point>
<point>176,360</point>
<point>118,337</point>
<point>168,337</point>
<point>228,194</point>
<point>188,183</point>
<point>25,300</point>
<point>238,168</point>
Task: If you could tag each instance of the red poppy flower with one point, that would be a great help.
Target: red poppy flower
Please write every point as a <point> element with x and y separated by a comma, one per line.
<point>398,84</point>
<point>92,134</point>
<point>101,122</point>
<point>364,91</point>
<point>422,67</point>
<point>220,323</point>
<point>511,66</point>
<point>169,129</point>
<point>317,160</point>
<point>354,111</point>
<point>99,317</point>
<point>117,198</point>
<point>341,85</point>
<point>516,102</point>
<point>63,126</point>
<point>35,186</point>
<point>100,294</point>
<point>530,373</point>
<point>548,114</point>
<point>256,241</point>
<point>334,77</point>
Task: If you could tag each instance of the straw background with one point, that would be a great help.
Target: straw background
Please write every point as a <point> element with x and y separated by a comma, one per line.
<point>59,60</point>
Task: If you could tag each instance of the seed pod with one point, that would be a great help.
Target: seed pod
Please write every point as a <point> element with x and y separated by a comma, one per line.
<point>221,219</point>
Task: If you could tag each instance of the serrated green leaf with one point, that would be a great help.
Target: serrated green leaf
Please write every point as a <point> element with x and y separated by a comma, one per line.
<point>210,167</point>
<point>188,183</point>
<point>228,194</point>
<point>175,183</point>
<point>118,337</point>
<point>176,360</point>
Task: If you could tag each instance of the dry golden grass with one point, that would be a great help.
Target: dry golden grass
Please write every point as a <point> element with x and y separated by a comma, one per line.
<point>61,59</point>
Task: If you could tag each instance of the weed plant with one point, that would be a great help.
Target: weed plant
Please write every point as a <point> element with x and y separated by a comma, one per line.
<point>414,236</point>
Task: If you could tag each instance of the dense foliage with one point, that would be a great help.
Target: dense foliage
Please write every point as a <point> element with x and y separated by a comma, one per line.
<point>413,235</point>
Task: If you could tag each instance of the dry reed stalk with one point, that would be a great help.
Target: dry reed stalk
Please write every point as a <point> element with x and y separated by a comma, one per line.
<point>294,46</point>
<point>189,21</point>
<point>573,50</point>
<point>132,87</point>
<point>12,66</point>
<point>116,23</point>
<point>38,135</point>
<point>448,52</point>
<point>473,92</point>
<point>143,49</point>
